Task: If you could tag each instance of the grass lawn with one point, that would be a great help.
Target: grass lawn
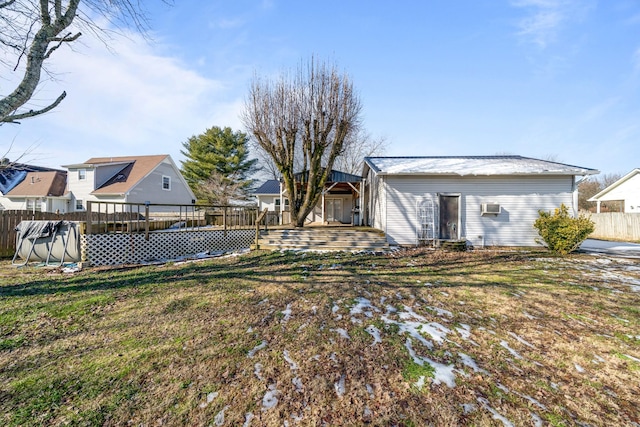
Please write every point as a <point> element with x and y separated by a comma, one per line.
<point>412,338</point>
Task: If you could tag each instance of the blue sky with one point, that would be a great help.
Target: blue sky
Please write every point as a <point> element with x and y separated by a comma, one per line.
<point>553,79</point>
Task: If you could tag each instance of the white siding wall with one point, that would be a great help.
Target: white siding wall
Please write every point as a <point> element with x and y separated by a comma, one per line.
<point>81,189</point>
<point>150,188</point>
<point>519,197</point>
<point>267,202</point>
<point>629,191</point>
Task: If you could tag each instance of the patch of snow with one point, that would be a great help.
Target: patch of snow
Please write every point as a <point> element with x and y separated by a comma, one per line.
<point>468,408</point>
<point>578,368</point>
<point>441,311</point>
<point>635,359</point>
<point>247,419</point>
<point>219,418</point>
<point>534,401</point>
<point>210,397</point>
<point>287,313</point>
<point>521,340</point>
<point>442,373</point>
<point>496,416</point>
<point>314,310</point>
<point>255,349</point>
<point>537,421</point>
<point>375,333</point>
<point>257,370</point>
<point>249,330</point>
<point>363,306</point>
<point>297,382</point>
<point>503,388</point>
<point>342,332</point>
<point>512,351</point>
<point>370,391</point>
<point>340,386</point>
<point>270,398</point>
<point>468,361</point>
<point>292,364</point>
<point>420,383</point>
<point>367,412</point>
<point>598,359</point>
<point>333,358</point>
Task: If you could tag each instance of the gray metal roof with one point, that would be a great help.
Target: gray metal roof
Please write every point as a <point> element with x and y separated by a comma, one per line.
<point>271,186</point>
<point>472,165</point>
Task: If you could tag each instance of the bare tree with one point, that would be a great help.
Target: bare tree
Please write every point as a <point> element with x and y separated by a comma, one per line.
<point>309,113</point>
<point>360,145</point>
<point>218,189</point>
<point>32,30</point>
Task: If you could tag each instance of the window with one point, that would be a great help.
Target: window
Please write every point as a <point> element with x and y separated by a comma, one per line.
<point>82,174</point>
<point>31,204</point>
<point>79,206</point>
<point>166,182</point>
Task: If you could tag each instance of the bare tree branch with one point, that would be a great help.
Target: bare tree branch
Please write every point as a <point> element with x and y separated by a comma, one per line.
<point>31,113</point>
<point>36,29</point>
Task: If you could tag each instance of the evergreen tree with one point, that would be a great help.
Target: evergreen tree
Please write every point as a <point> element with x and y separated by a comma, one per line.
<point>217,166</point>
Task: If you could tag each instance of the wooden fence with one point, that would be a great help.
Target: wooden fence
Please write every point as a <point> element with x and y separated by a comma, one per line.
<point>616,225</point>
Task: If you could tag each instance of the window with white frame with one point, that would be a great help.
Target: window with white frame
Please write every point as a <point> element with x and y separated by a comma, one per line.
<point>166,182</point>
<point>79,205</point>
<point>31,203</point>
<point>82,174</point>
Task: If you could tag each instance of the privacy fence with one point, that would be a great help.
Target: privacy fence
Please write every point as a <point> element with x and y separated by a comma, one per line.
<point>616,225</point>
<point>130,233</point>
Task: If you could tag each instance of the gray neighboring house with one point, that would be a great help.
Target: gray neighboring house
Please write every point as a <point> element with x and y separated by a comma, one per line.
<point>485,200</point>
<point>130,179</point>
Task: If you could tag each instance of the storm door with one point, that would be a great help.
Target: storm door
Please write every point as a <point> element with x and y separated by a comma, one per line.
<point>334,210</point>
<point>449,217</point>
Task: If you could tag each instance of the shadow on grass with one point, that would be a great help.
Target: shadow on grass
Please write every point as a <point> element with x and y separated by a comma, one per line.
<point>446,269</point>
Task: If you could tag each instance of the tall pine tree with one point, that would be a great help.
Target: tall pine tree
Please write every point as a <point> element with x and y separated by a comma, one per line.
<point>217,167</point>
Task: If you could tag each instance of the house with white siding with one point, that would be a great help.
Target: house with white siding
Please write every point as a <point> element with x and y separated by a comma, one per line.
<point>626,190</point>
<point>129,179</point>
<point>484,200</point>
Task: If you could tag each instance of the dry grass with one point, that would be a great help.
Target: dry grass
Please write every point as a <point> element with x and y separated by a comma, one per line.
<point>555,341</point>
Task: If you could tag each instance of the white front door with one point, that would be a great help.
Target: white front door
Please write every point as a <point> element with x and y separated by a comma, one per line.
<point>334,210</point>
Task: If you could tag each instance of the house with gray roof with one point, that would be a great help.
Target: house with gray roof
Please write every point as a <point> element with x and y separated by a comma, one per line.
<point>484,200</point>
<point>339,204</point>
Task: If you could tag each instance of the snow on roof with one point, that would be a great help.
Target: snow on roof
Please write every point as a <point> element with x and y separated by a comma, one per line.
<point>472,165</point>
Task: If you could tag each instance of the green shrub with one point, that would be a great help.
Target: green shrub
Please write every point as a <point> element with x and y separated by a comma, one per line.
<point>562,233</point>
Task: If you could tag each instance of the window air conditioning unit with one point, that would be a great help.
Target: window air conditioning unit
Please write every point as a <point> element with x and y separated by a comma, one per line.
<point>490,209</point>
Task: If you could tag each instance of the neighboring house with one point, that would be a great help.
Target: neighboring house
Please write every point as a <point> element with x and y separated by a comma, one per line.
<point>268,196</point>
<point>485,200</point>
<point>340,200</point>
<point>29,187</point>
<point>131,179</point>
<point>39,191</point>
<point>626,189</point>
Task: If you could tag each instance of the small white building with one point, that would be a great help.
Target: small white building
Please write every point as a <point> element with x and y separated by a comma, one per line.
<point>626,190</point>
<point>485,200</point>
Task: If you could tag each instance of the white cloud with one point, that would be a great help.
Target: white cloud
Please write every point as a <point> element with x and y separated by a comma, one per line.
<point>128,101</point>
<point>546,18</point>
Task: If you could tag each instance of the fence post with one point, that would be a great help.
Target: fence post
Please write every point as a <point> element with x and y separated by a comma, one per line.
<point>146,221</point>
<point>88,218</point>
